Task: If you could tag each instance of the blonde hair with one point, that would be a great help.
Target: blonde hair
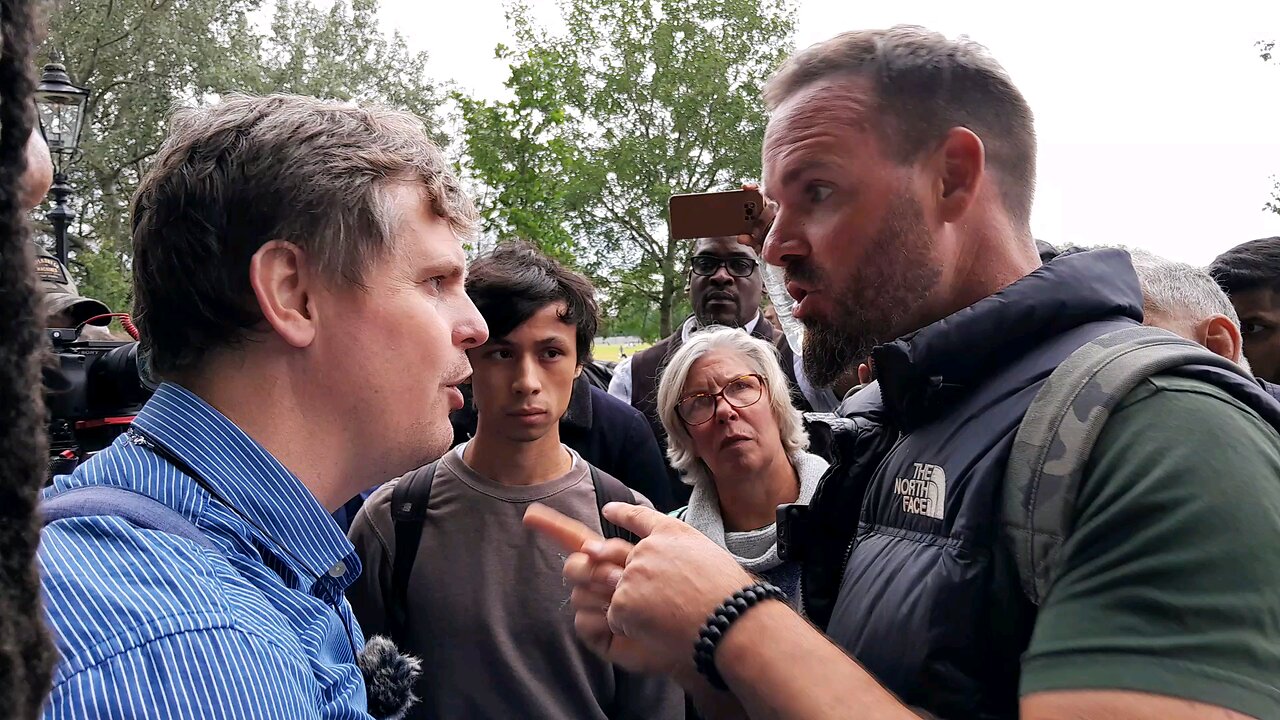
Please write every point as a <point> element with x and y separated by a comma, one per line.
<point>762,358</point>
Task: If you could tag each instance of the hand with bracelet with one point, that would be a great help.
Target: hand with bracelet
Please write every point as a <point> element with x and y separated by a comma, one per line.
<point>643,606</point>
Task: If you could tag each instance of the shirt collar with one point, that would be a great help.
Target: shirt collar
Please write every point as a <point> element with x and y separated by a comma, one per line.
<point>691,326</point>
<point>251,480</point>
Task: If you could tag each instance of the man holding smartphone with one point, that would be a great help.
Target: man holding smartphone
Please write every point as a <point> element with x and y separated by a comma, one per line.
<point>725,287</point>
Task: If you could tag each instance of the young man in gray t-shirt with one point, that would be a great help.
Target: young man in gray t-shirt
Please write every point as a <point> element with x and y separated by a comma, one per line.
<point>487,609</point>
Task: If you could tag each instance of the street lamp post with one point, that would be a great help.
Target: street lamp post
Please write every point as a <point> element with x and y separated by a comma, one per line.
<point>60,106</point>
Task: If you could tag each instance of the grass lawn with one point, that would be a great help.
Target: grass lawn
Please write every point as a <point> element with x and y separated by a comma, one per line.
<point>613,353</point>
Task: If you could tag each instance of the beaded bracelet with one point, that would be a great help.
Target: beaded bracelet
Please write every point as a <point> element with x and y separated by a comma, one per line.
<point>718,622</point>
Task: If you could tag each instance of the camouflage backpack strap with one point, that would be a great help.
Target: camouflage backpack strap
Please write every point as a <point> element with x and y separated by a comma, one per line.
<point>1056,437</point>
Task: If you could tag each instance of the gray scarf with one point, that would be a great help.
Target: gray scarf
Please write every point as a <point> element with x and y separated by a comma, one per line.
<point>703,512</point>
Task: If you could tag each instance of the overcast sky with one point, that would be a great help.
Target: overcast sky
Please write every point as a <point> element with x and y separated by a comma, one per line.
<point>1157,129</point>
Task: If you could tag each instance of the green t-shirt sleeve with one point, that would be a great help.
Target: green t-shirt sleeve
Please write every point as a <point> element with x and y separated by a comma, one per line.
<point>1170,581</point>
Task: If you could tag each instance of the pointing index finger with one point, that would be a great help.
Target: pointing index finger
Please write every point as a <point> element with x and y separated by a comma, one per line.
<point>564,530</point>
<point>637,518</point>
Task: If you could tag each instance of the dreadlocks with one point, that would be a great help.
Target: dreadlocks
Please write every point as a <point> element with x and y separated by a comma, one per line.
<point>26,653</point>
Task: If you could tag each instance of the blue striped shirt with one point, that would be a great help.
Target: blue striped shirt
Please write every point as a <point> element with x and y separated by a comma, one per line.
<point>150,625</point>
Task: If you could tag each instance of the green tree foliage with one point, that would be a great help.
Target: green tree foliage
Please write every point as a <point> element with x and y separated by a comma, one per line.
<point>636,101</point>
<point>140,58</point>
<point>518,153</point>
<point>341,53</point>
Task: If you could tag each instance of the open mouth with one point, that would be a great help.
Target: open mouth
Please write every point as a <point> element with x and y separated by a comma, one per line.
<point>799,294</point>
<point>796,292</point>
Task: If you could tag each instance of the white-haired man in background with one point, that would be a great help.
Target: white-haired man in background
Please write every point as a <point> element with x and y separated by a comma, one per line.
<point>1188,302</point>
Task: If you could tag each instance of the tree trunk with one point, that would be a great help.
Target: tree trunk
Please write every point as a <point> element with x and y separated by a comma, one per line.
<point>667,300</point>
<point>665,303</point>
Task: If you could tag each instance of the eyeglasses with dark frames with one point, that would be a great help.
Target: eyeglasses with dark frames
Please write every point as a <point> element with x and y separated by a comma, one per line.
<point>707,265</point>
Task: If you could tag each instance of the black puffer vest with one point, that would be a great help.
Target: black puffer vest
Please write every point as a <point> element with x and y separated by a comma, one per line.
<point>925,596</point>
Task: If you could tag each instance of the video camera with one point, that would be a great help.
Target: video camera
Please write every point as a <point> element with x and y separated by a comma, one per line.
<point>92,392</point>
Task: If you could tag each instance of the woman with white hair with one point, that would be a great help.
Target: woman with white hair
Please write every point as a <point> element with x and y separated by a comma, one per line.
<point>735,437</point>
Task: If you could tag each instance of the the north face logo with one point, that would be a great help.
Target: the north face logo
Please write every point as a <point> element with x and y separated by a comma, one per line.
<point>925,492</point>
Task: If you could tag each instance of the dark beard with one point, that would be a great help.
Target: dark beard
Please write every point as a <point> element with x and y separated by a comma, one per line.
<point>874,302</point>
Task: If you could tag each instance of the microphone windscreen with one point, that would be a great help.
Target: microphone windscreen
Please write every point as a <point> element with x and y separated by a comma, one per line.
<point>389,676</point>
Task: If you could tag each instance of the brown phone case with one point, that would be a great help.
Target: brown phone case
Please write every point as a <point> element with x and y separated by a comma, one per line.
<point>717,214</point>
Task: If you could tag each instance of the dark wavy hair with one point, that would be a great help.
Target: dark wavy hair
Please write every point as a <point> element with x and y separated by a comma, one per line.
<point>26,652</point>
<point>1252,265</point>
<point>515,280</point>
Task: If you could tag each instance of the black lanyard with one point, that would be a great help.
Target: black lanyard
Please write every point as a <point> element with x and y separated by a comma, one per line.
<point>141,438</point>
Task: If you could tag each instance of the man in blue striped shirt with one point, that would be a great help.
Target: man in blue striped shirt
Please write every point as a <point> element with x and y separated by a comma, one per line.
<point>298,280</point>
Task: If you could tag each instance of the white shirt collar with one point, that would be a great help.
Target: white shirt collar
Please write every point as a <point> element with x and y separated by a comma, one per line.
<point>691,326</point>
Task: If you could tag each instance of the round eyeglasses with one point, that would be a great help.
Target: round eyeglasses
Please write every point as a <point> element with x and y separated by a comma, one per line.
<point>707,265</point>
<point>739,392</point>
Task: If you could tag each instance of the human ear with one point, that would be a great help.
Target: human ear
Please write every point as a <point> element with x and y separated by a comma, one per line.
<point>283,284</point>
<point>960,167</point>
<point>1221,336</point>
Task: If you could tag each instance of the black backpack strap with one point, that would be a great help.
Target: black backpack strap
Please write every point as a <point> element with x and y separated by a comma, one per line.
<point>409,499</point>
<point>131,506</point>
<point>610,489</point>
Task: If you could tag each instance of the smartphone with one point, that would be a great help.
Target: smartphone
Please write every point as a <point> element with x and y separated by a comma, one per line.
<point>716,214</point>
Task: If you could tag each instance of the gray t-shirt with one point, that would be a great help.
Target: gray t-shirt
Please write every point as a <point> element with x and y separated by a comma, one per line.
<point>489,611</point>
